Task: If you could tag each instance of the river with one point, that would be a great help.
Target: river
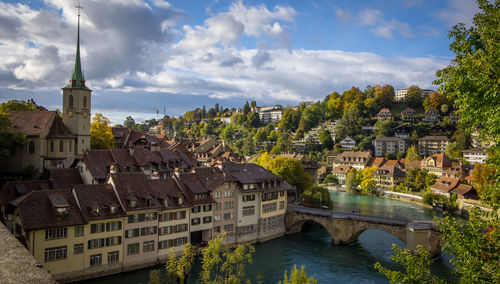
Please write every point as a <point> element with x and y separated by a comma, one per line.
<point>312,247</point>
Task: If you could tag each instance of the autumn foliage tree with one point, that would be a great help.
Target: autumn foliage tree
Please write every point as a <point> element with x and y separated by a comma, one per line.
<point>101,136</point>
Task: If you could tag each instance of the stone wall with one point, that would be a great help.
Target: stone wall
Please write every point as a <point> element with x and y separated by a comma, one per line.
<point>17,265</point>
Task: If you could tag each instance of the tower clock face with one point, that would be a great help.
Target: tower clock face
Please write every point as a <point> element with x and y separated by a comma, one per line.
<point>70,114</point>
<point>85,114</point>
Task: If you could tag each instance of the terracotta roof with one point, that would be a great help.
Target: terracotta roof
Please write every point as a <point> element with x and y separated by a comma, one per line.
<point>395,163</point>
<point>122,157</point>
<point>31,123</point>
<point>390,170</point>
<point>412,164</point>
<point>384,111</point>
<point>440,161</point>
<point>245,173</point>
<point>144,156</point>
<point>191,186</point>
<point>65,178</point>
<point>168,189</point>
<point>408,111</point>
<point>376,161</point>
<point>36,210</point>
<point>445,184</point>
<point>342,169</point>
<point>210,177</point>
<point>98,162</point>
<point>100,196</point>
<point>13,189</point>
<point>169,156</point>
<point>121,133</point>
<point>134,186</point>
<point>59,130</point>
<point>462,189</point>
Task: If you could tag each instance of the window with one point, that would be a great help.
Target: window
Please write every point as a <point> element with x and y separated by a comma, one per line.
<point>228,216</point>
<point>51,145</point>
<point>218,206</point>
<point>217,229</point>
<point>228,228</point>
<point>282,205</point>
<point>149,201</point>
<point>78,231</point>
<point>228,193</point>
<point>70,100</point>
<point>61,146</point>
<point>133,248</point>
<point>148,246</point>
<point>181,241</point>
<point>132,233</point>
<point>96,211</point>
<point>148,231</point>
<point>113,226</point>
<point>282,193</point>
<point>113,241</point>
<point>248,210</point>
<point>97,228</point>
<point>95,259</point>
<point>56,253</point>
<point>113,257</point>
<point>114,210</point>
<point>56,233</point>
<point>229,205</point>
<point>217,194</point>
<point>195,221</point>
<point>207,219</point>
<point>78,249</point>
<point>31,148</point>
<point>227,185</point>
<point>250,197</point>
<point>196,209</point>
<point>62,212</point>
<point>217,218</point>
<point>84,101</point>
<point>269,207</point>
<point>132,219</point>
<point>95,243</point>
<point>207,208</point>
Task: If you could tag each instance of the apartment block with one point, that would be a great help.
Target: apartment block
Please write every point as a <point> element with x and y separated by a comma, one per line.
<point>390,145</point>
<point>430,145</point>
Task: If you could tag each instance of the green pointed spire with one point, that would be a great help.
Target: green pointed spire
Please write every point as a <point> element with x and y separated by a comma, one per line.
<point>77,78</point>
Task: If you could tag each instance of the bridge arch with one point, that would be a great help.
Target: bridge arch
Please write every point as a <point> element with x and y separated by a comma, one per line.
<point>294,225</point>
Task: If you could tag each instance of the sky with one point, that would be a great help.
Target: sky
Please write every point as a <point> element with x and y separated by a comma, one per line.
<point>142,55</point>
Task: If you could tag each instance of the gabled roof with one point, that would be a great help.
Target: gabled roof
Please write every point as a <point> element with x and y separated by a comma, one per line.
<point>98,162</point>
<point>59,130</point>
<point>434,138</point>
<point>445,184</point>
<point>101,196</point>
<point>134,186</point>
<point>14,189</point>
<point>390,170</point>
<point>31,123</point>
<point>36,210</point>
<point>211,177</point>
<point>192,186</point>
<point>376,161</point>
<point>65,178</point>
<point>122,157</point>
<point>408,111</point>
<point>384,111</point>
<point>440,161</point>
<point>144,156</point>
<point>342,169</point>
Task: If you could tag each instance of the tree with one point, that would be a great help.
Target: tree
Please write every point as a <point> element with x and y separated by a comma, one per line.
<point>298,277</point>
<point>414,96</point>
<point>129,122</point>
<point>207,130</point>
<point>178,267</point>
<point>384,96</point>
<point>335,106</point>
<point>412,154</point>
<point>227,133</point>
<point>350,124</point>
<point>472,79</point>
<point>18,105</point>
<point>318,195</point>
<point>384,128</point>
<point>246,108</point>
<point>101,136</point>
<point>325,139</point>
<point>292,171</point>
<point>368,185</point>
<point>482,175</point>
<point>350,182</point>
<point>10,139</point>
<point>416,266</point>
<point>224,264</point>
<point>331,179</point>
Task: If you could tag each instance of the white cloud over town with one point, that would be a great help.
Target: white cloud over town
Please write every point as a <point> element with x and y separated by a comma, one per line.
<point>137,46</point>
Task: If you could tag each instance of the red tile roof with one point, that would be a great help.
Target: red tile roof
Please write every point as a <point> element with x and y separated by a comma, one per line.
<point>31,123</point>
<point>65,178</point>
<point>101,196</point>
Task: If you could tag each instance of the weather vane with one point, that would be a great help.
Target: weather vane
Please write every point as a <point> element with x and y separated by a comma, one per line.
<point>78,7</point>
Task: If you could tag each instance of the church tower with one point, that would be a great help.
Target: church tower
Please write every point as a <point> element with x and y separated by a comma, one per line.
<point>76,102</point>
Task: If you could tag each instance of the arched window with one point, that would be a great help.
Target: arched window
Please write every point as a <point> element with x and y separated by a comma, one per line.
<point>70,100</point>
<point>61,146</point>
<point>51,145</point>
<point>85,101</point>
<point>31,148</point>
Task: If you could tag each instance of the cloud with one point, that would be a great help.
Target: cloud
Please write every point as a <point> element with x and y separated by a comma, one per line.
<point>370,17</point>
<point>387,28</point>
<point>343,15</point>
<point>458,11</point>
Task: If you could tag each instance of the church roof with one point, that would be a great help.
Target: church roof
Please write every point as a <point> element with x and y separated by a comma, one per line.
<point>59,130</point>
<point>31,123</point>
<point>77,80</point>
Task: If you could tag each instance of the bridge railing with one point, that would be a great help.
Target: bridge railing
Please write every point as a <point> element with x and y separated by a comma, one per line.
<point>354,216</point>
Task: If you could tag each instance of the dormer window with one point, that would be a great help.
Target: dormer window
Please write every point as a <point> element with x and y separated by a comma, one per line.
<point>180,200</point>
<point>149,201</point>
<point>96,211</point>
<point>62,212</point>
<point>165,202</point>
<point>132,203</point>
<point>114,209</point>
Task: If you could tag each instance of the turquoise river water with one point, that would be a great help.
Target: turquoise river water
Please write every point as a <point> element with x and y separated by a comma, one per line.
<point>325,261</point>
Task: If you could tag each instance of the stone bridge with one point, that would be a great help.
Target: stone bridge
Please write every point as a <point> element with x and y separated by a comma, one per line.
<point>345,228</point>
